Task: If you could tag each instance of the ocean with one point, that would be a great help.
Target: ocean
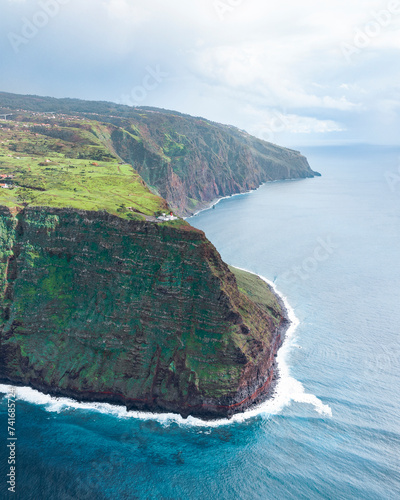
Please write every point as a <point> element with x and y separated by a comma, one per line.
<point>330,245</point>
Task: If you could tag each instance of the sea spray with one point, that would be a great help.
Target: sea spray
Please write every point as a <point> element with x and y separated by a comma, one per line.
<point>287,389</point>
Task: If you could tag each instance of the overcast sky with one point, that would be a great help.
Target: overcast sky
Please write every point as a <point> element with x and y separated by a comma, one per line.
<point>295,73</point>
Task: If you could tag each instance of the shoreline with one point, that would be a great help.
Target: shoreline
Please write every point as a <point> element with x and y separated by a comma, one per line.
<point>111,404</point>
<point>211,204</point>
<point>215,201</point>
<point>282,333</point>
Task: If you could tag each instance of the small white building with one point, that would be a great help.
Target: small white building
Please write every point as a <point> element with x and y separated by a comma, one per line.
<point>165,217</point>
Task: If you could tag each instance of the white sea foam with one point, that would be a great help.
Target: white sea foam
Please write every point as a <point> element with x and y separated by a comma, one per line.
<point>288,389</point>
<point>217,200</point>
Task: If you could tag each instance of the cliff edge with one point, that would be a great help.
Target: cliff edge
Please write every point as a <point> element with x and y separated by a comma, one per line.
<point>188,161</point>
<point>100,308</point>
<point>106,294</point>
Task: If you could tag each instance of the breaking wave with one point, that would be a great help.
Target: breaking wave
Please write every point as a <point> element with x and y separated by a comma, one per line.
<point>287,389</point>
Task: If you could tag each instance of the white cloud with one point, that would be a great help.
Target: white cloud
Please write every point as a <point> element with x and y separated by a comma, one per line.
<point>307,125</point>
<point>270,124</point>
<point>247,67</point>
<point>261,55</point>
<point>125,11</point>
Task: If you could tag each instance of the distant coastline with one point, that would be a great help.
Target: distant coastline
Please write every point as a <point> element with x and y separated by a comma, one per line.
<point>213,203</point>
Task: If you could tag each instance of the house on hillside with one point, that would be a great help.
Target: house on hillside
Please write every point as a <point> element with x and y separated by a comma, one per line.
<point>164,217</point>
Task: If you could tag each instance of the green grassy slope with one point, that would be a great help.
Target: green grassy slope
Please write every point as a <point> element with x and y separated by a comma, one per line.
<point>99,302</point>
<point>259,292</point>
<point>66,163</point>
<point>97,307</point>
<point>189,161</point>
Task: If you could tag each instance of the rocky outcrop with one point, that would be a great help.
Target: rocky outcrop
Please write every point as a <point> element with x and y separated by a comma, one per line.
<point>101,308</point>
<point>114,305</point>
<point>190,162</point>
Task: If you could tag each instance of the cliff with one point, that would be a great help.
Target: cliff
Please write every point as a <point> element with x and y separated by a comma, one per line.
<point>188,161</point>
<point>101,308</point>
<point>100,299</point>
<point>191,162</point>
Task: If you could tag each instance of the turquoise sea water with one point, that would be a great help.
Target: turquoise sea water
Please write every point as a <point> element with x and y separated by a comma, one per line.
<point>331,245</point>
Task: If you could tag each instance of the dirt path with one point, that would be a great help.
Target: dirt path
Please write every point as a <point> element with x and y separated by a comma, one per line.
<point>84,187</point>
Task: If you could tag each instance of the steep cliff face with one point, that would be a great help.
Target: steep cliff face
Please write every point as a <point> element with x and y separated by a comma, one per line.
<point>191,162</point>
<point>98,307</point>
<point>99,299</point>
<point>188,161</point>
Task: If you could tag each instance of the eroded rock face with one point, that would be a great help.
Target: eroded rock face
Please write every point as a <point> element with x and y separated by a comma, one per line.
<point>100,308</point>
<point>190,162</point>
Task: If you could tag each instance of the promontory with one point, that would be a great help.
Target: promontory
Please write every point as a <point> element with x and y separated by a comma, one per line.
<point>106,292</point>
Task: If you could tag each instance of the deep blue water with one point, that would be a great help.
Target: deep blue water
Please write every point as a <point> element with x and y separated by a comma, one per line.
<point>332,247</point>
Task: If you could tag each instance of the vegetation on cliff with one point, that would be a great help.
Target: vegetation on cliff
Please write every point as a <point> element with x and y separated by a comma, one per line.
<point>99,300</point>
<point>99,307</point>
<point>188,161</point>
<point>65,164</point>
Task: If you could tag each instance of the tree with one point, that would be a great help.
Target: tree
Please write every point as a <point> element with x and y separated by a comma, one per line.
<point>25,196</point>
